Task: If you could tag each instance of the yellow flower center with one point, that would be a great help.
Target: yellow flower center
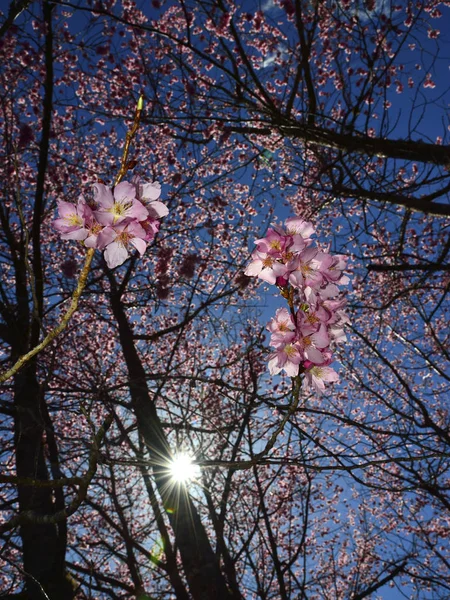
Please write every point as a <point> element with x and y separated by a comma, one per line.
<point>123,238</point>
<point>287,256</point>
<point>74,219</point>
<point>289,350</point>
<point>275,244</point>
<point>312,319</point>
<point>119,209</point>
<point>95,228</point>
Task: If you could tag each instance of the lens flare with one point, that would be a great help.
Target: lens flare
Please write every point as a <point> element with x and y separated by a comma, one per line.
<point>182,469</point>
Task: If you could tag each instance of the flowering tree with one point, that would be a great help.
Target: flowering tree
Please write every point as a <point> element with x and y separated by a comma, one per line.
<point>306,488</point>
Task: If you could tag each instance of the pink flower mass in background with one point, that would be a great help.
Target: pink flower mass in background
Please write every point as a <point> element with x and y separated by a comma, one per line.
<point>116,220</point>
<point>302,338</point>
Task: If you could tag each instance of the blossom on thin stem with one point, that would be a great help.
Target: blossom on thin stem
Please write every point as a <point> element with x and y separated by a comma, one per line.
<point>286,357</point>
<point>116,220</point>
<point>316,376</point>
<point>282,326</point>
<point>302,338</point>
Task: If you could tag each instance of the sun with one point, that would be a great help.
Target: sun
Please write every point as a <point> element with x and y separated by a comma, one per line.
<point>182,468</point>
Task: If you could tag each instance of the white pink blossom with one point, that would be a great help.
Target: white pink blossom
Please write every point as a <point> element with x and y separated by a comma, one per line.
<point>116,206</point>
<point>266,267</point>
<point>125,234</point>
<point>116,221</point>
<point>72,222</point>
<point>302,338</point>
<point>316,376</point>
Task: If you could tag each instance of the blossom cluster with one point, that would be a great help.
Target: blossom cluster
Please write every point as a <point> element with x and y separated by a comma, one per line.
<point>303,334</point>
<point>116,220</point>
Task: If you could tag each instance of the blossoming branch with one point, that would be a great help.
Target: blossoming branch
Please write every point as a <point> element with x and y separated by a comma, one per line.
<point>114,220</point>
<point>302,337</point>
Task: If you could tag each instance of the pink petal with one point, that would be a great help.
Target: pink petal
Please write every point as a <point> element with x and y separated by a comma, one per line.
<point>77,234</point>
<point>65,209</point>
<point>104,218</point>
<point>321,339</point>
<point>150,191</point>
<point>136,230</point>
<point>274,369</point>
<point>157,209</point>
<point>281,338</point>
<point>137,211</point>
<point>314,355</point>
<point>105,237</point>
<point>268,275</point>
<point>329,374</point>
<point>298,226</point>
<point>103,195</point>
<point>91,241</point>
<point>317,383</point>
<point>115,254</point>
<point>139,244</point>
<point>61,226</point>
<point>308,254</point>
<point>291,369</point>
<point>254,268</point>
<point>124,192</point>
<point>329,291</point>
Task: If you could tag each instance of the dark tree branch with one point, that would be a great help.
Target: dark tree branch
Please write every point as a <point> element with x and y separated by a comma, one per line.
<point>15,8</point>
<point>389,268</point>
<point>33,517</point>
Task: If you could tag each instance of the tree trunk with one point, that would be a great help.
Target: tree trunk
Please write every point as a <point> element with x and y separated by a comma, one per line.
<point>43,545</point>
<point>205,579</point>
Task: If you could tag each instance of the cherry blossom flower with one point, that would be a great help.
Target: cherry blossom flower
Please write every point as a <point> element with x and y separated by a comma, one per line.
<point>289,259</point>
<point>124,234</point>
<point>273,244</point>
<point>95,229</point>
<point>312,344</point>
<point>282,327</point>
<point>332,267</point>
<point>317,375</point>
<point>305,269</point>
<point>114,221</point>
<point>151,227</point>
<point>148,194</point>
<point>265,267</point>
<point>313,313</point>
<point>287,358</point>
<point>117,206</point>
<point>296,226</point>
<point>72,221</point>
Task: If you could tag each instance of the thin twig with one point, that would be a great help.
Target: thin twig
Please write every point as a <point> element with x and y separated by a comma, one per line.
<point>124,166</point>
<point>30,516</point>
<point>62,325</point>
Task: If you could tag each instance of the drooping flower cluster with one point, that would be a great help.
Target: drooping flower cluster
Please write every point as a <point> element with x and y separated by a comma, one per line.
<point>302,337</point>
<point>115,221</point>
